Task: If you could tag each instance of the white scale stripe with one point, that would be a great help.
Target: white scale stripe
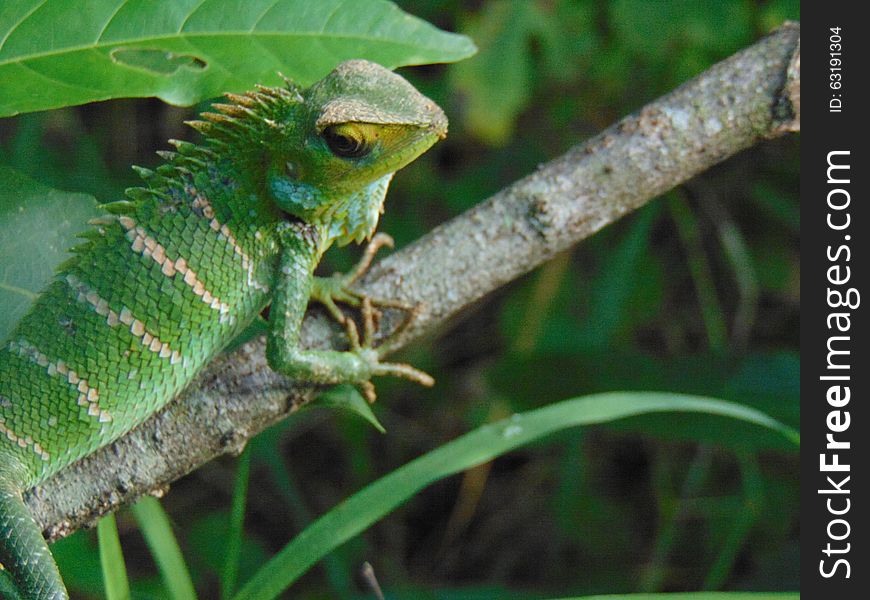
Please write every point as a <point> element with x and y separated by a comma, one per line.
<point>137,328</point>
<point>23,442</point>
<point>202,203</point>
<point>88,395</point>
<point>147,246</point>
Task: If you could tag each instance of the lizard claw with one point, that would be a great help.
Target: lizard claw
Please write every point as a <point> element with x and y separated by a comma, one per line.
<point>364,349</point>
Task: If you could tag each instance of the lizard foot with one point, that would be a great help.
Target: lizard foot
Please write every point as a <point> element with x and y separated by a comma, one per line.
<point>365,349</point>
<point>338,288</point>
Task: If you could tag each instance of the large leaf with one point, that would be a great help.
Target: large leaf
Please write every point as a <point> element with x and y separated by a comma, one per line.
<point>59,53</point>
<point>364,508</point>
<point>37,225</point>
<point>497,83</point>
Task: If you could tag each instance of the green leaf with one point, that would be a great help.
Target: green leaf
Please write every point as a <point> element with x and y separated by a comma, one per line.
<point>57,53</point>
<point>37,225</point>
<point>347,397</point>
<point>157,530</point>
<point>496,84</point>
<point>364,508</point>
<point>112,559</point>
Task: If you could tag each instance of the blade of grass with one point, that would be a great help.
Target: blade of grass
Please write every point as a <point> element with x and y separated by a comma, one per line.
<point>671,511</point>
<point>550,278</point>
<point>157,531</point>
<point>753,496</point>
<point>112,560</point>
<point>358,512</point>
<point>237,523</point>
<point>736,250</point>
<point>613,286</point>
<point>702,275</point>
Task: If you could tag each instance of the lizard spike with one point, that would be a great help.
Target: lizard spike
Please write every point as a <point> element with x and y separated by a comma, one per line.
<point>81,248</point>
<point>146,174</point>
<point>289,84</point>
<point>231,110</point>
<point>261,99</point>
<point>240,99</point>
<point>193,161</point>
<point>272,94</point>
<point>119,207</point>
<point>166,155</point>
<point>219,119</point>
<point>218,143</point>
<point>203,127</point>
<point>291,92</point>
<point>91,234</point>
<point>162,195</point>
<point>138,193</point>
<point>244,111</point>
<point>183,147</point>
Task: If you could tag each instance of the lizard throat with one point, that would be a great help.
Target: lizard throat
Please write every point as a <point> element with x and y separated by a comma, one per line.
<point>355,217</point>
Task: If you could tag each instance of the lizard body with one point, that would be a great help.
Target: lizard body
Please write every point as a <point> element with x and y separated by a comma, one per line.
<point>170,276</point>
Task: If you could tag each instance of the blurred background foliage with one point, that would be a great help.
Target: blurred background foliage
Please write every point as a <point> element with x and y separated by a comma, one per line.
<point>697,292</point>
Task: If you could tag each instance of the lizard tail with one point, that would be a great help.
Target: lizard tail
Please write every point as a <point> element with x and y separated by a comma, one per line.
<point>24,553</point>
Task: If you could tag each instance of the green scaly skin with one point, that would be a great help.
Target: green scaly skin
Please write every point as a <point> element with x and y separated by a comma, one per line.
<point>167,278</point>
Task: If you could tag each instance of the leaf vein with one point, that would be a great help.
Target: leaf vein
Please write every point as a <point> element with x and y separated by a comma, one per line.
<point>189,36</point>
<point>20,21</point>
<point>109,22</point>
<point>263,14</point>
<point>189,15</point>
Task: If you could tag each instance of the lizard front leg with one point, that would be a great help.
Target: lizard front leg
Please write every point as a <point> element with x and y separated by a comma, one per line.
<point>292,291</point>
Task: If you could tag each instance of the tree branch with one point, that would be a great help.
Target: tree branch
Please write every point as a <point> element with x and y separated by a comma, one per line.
<point>751,96</point>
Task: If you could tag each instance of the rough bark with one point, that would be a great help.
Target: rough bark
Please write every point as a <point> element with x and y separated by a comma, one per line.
<point>751,96</point>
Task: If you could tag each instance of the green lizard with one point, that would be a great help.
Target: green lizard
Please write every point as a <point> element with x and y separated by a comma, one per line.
<point>169,277</point>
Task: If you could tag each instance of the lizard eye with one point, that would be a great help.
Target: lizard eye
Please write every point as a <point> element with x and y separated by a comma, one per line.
<point>344,144</point>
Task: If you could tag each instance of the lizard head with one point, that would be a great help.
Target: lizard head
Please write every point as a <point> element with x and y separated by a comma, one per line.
<point>326,154</point>
<point>356,127</point>
<point>363,122</point>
